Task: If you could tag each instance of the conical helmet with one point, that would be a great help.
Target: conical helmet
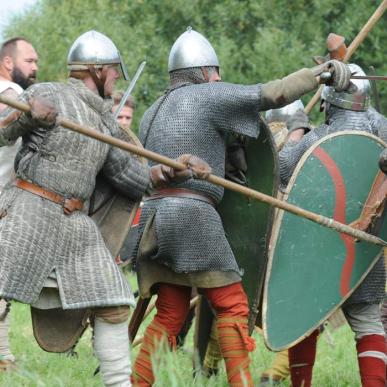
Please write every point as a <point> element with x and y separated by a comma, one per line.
<point>282,114</point>
<point>191,49</point>
<point>94,48</point>
<point>358,100</point>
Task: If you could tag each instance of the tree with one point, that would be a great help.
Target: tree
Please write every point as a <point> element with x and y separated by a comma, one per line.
<point>255,41</point>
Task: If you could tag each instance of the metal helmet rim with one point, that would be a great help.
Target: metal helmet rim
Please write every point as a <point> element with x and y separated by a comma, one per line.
<point>191,49</point>
<point>94,48</point>
<point>356,101</point>
<point>282,114</point>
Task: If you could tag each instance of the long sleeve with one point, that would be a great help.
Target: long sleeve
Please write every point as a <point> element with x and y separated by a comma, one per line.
<point>126,172</point>
<point>292,152</point>
<point>14,123</point>
<point>378,123</point>
<point>281,92</point>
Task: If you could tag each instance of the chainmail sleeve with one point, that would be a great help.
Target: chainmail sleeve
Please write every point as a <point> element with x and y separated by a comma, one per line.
<point>378,123</point>
<point>233,108</point>
<point>126,172</point>
<point>291,153</point>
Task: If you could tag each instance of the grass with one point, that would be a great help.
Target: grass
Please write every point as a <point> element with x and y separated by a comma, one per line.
<point>336,363</point>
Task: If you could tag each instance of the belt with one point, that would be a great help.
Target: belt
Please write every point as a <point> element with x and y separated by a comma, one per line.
<point>181,193</point>
<point>69,205</point>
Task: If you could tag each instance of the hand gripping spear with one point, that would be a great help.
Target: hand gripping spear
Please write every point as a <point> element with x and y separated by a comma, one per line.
<point>352,47</point>
<point>320,219</point>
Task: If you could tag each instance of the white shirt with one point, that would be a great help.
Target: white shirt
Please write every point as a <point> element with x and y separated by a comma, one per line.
<point>8,153</point>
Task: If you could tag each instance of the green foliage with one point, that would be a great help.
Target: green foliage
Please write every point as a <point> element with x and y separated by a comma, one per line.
<point>256,41</point>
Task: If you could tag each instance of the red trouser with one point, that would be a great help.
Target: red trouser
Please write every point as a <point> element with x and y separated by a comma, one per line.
<point>231,307</point>
<point>301,361</point>
<point>371,350</point>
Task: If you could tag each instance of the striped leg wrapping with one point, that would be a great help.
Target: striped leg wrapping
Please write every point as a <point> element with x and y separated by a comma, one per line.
<point>372,360</point>
<point>235,345</point>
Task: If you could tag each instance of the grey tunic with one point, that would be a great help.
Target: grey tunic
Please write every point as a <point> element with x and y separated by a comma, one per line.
<point>196,118</point>
<point>372,288</point>
<point>36,236</point>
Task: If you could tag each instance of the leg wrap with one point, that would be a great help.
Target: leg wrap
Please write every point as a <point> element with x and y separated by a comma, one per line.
<point>5,351</point>
<point>154,336</point>
<point>230,304</point>
<point>111,347</point>
<point>279,368</point>
<point>301,361</point>
<point>213,353</point>
<point>172,308</point>
<point>371,350</point>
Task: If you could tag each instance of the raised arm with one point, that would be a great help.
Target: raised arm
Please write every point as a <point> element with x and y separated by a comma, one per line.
<point>14,123</point>
<point>281,92</point>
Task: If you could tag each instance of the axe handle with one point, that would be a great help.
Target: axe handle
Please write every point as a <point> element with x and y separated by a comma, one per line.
<point>352,48</point>
<point>320,219</point>
<point>137,317</point>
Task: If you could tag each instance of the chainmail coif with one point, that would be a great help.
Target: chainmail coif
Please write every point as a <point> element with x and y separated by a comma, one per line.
<point>191,75</point>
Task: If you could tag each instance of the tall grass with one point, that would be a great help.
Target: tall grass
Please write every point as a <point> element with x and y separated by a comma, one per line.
<point>336,361</point>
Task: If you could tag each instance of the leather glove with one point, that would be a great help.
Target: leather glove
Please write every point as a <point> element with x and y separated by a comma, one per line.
<point>383,161</point>
<point>162,176</point>
<point>43,112</point>
<point>341,75</point>
<point>298,120</point>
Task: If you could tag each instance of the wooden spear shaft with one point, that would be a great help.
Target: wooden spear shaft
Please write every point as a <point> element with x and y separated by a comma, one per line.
<point>352,48</point>
<point>320,219</point>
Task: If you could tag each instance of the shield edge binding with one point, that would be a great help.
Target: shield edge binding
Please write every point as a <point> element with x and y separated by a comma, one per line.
<point>275,234</point>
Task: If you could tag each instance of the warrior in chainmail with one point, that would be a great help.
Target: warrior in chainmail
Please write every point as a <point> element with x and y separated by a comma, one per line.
<point>45,232</point>
<point>344,111</point>
<point>182,240</point>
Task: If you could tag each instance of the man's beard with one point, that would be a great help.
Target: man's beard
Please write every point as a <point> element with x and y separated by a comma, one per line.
<point>23,81</point>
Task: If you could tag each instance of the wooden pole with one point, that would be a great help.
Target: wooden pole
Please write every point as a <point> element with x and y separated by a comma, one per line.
<point>352,48</point>
<point>320,219</point>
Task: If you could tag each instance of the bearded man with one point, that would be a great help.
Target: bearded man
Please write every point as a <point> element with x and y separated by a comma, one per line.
<point>183,243</point>
<point>18,67</point>
<point>45,232</point>
<point>344,110</point>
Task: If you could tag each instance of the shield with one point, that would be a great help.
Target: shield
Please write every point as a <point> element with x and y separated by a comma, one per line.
<point>312,270</point>
<point>113,212</point>
<point>247,222</point>
<point>58,330</point>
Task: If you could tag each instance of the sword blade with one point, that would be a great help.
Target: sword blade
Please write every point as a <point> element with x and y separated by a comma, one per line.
<point>370,77</point>
<point>327,76</point>
<point>129,89</point>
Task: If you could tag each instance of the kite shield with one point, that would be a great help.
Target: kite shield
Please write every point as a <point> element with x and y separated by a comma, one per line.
<point>312,270</point>
<point>247,223</point>
<point>113,212</point>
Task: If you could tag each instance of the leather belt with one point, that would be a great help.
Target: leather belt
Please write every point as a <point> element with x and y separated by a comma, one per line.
<point>69,205</point>
<point>181,193</point>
